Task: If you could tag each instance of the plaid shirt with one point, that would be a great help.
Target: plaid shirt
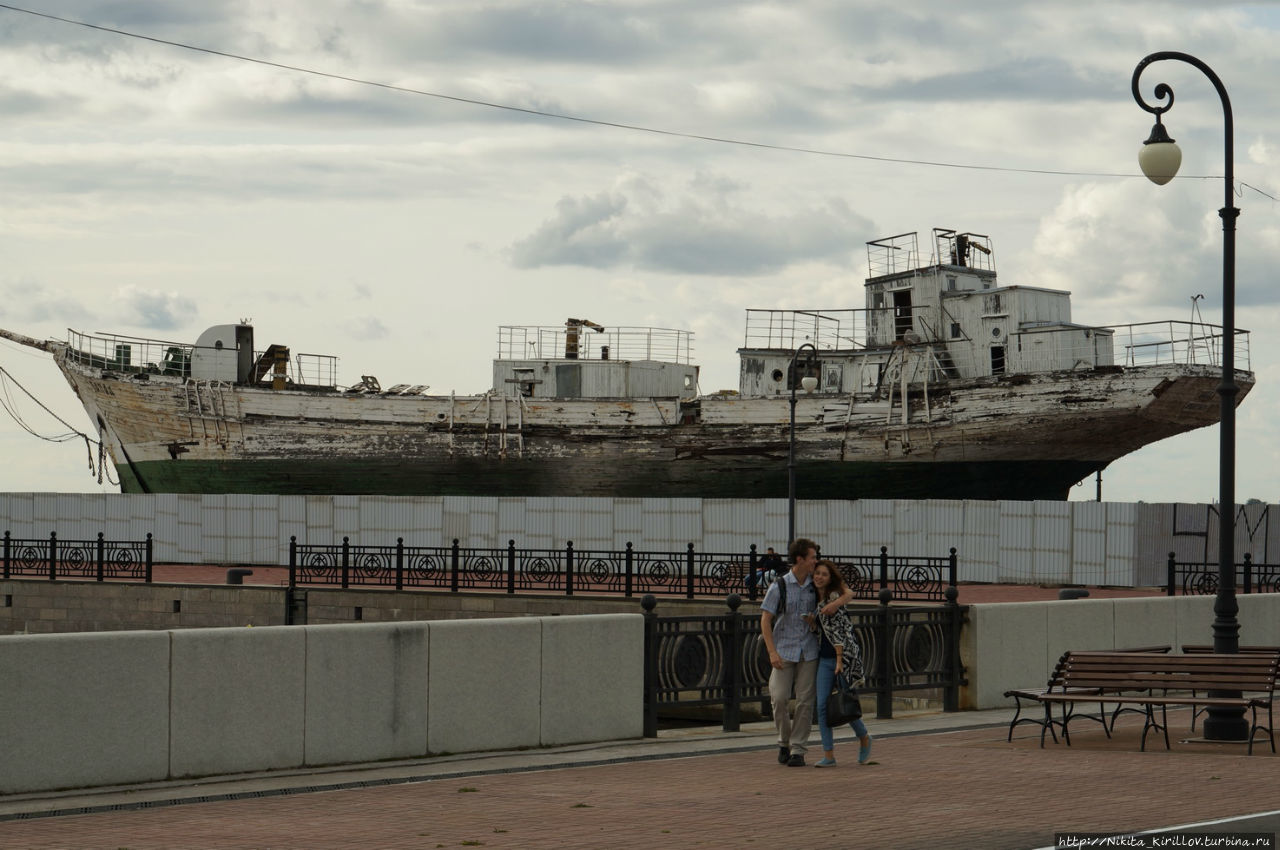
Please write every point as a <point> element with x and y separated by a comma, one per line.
<point>791,635</point>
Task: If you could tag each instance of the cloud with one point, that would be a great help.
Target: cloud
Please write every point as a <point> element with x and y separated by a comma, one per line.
<point>700,230</point>
<point>152,310</point>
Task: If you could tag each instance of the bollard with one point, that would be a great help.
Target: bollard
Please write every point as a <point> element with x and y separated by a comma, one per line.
<point>1072,593</point>
<point>236,575</point>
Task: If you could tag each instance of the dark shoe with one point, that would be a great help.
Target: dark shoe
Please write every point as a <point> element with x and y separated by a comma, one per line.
<point>796,760</point>
<point>784,753</point>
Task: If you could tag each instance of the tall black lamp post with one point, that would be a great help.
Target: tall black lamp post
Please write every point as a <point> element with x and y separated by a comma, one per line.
<point>810,383</point>
<point>1159,159</point>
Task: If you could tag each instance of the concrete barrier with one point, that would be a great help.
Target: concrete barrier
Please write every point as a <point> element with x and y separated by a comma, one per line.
<point>237,701</point>
<point>83,709</point>
<point>1015,645</point>
<point>366,692</point>
<point>110,708</point>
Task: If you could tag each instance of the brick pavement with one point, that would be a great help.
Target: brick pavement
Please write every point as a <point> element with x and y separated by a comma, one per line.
<point>964,789</point>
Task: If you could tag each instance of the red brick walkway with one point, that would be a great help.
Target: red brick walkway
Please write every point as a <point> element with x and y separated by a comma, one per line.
<point>965,789</point>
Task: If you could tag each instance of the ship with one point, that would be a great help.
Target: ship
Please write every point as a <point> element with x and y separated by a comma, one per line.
<point>943,385</point>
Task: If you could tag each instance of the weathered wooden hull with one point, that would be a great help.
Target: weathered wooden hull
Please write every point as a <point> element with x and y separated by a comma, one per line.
<point>1018,437</point>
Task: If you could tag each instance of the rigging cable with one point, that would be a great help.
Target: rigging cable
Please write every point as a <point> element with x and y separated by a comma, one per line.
<point>10,406</point>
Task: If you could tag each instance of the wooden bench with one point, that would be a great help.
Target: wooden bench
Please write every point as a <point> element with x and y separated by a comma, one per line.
<point>1204,648</point>
<point>1024,698</point>
<point>1153,680</point>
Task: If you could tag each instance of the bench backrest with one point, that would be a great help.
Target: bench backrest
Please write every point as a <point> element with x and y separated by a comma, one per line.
<point>1055,678</point>
<point>1202,648</point>
<point>1116,671</point>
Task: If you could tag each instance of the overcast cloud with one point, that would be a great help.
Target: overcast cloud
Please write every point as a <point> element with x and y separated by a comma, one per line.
<point>153,190</point>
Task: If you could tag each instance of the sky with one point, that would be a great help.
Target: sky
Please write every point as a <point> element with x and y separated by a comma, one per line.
<point>153,190</point>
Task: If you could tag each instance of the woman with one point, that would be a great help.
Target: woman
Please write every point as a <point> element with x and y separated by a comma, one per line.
<point>840,653</point>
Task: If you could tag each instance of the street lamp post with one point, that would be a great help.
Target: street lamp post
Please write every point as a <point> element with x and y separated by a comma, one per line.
<point>1159,159</point>
<point>810,383</point>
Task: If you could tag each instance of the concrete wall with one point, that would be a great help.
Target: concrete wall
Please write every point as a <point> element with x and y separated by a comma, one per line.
<point>36,606</point>
<point>124,707</point>
<point>1053,542</point>
<point>1016,645</point>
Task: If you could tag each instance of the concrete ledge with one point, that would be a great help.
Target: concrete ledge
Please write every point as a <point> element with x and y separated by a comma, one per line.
<point>366,692</point>
<point>592,678</point>
<point>84,709</point>
<point>485,678</point>
<point>237,700</point>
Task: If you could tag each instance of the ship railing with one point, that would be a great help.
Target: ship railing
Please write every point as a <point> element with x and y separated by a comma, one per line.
<point>100,559</point>
<point>1140,344</point>
<point>668,345</point>
<point>1201,579</point>
<point>627,572</point>
<point>128,354</point>
<point>720,660</point>
<point>827,330</point>
<point>311,370</point>
<point>893,254</point>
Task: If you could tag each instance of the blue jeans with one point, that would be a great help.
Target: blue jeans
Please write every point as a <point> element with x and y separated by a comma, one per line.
<point>826,680</point>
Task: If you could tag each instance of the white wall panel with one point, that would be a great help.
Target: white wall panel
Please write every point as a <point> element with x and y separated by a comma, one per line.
<point>910,525</point>
<point>979,549</point>
<point>239,528</point>
<point>346,518</point>
<point>320,523</point>
<point>21,515</point>
<point>843,535</point>
<point>1017,537</point>
<point>1051,547</point>
<point>44,517</point>
<point>1088,542</point>
<point>656,534</point>
<point>628,521</point>
<point>214,522</point>
<point>943,526</point>
<point>540,525</point>
<point>686,523</point>
<point>188,546</point>
<point>1121,567</point>
<point>877,524</point>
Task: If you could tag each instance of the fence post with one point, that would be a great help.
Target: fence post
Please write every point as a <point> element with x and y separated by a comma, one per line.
<point>630,565</point>
<point>101,552</point>
<point>732,720</point>
<point>884,637</point>
<point>293,561</point>
<point>399,563</point>
<point>453,567</point>
<point>884,567</point>
<point>346,562</point>
<point>1248,572</point>
<point>1170,576</point>
<point>648,603</point>
<point>568,568</point>
<point>53,555</point>
<point>7,541</point>
<point>688,589</point>
<point>951,695</point>
<point>150,556</point>
<point>511,566</point>
<point>952,564</point>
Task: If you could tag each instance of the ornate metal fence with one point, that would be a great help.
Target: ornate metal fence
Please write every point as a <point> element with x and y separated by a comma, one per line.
<point>1202,579</point>
<point>627,572</point>
<point>98,559</point>
<point>721,660</point>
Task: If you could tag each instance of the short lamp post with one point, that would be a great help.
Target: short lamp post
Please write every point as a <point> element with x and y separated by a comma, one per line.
<point>1159,159</point>
<point>810,383</point>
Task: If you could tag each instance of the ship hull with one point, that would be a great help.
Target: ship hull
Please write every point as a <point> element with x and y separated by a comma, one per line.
<point>1016,437</point>
<point>1021,480</point>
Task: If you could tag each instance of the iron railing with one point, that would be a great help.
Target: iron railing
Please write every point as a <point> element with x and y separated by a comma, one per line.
<point>721,659</point>
<point>627,572</point>
<point>1190,579</point>
<point>98,559</point>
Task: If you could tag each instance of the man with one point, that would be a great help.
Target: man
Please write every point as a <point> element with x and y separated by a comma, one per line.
<point>771,565</point>
<point>793,649</point>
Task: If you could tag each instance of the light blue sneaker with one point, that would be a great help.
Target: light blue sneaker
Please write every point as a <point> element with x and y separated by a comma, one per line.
<point>825,762</point>
<point>864,751</point>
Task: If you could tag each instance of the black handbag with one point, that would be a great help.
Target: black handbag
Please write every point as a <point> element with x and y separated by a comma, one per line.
<point>843,705</point>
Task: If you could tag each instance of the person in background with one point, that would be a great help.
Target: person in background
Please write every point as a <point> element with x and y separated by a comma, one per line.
<point>771,565</point>
<point>838,653</point>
